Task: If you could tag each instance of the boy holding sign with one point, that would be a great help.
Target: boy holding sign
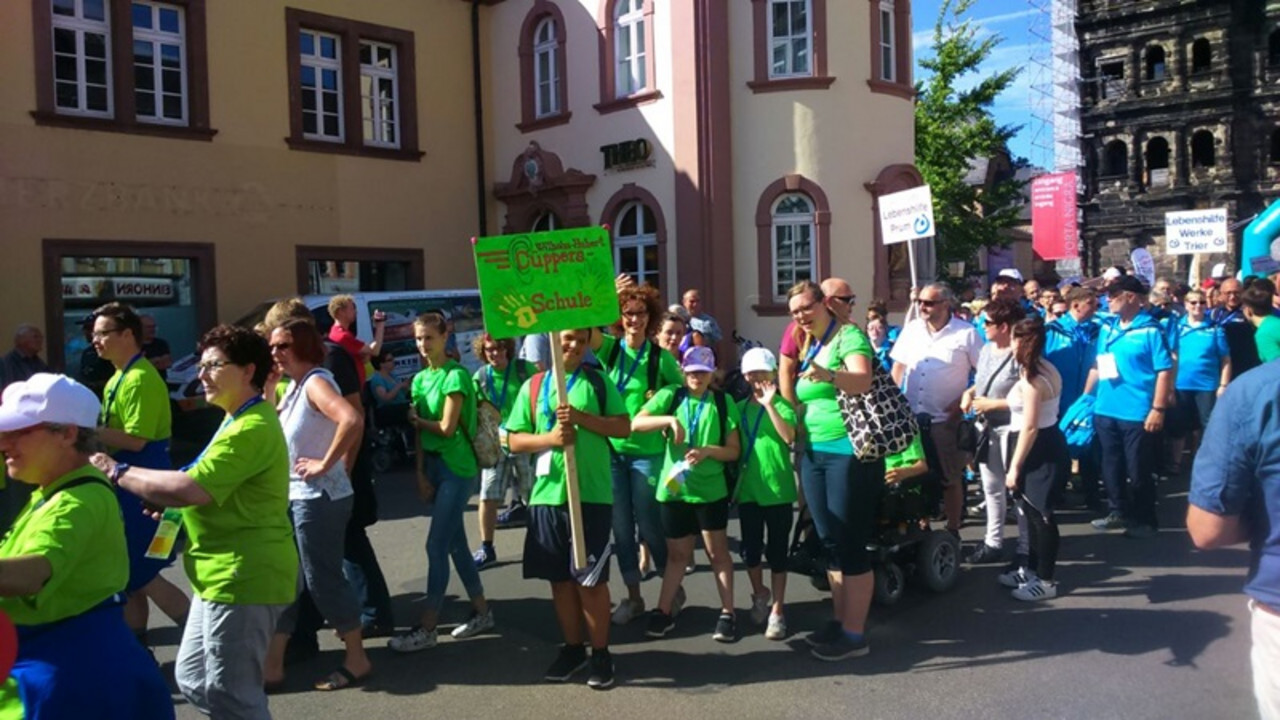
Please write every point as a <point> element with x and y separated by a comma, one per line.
<point>543,425</point>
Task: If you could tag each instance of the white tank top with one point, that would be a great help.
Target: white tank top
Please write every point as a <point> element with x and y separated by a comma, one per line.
<point>309,433</point>
<point>1049,382</point>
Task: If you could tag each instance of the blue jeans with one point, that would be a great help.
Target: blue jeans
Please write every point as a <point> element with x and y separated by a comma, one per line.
<point>635,505</point>
<point>360,565</point>
<point>447,537</point>
<point>1128,454</point>
<point>843,497</point>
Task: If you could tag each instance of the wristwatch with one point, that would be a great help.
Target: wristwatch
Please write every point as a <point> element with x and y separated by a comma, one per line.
<point>117,471</point>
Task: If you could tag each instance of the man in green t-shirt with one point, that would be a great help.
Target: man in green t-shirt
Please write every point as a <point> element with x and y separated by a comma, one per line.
<point>693,492</point>
<point>1260,312</point>
<point>543,424</point>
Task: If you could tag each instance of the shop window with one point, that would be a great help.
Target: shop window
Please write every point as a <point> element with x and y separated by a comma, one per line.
<point>1158,162</point>
<point>544,97</point>
<point>1201,56</point>
<point>546,222</point>
<point>160,89</point>
<point>635,244</point>
<point>331,271</point>
<point>1202,149</point>
<point>352,87</point>
<point>793,251</point>
<point>1115,159</point>
<point>1155,63</point>
<point>1111,79</point>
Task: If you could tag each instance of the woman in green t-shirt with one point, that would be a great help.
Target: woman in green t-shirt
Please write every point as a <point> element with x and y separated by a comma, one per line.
<point>638,368</point>
<point>843,493</point>
<point>443,411</point>
<point>499,381</point>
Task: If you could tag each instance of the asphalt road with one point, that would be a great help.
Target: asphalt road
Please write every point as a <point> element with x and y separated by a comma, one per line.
<point>1145,629</point>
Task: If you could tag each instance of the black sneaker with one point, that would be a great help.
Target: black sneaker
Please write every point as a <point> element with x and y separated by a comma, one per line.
<point>985,554</point>
<point>660,624</point>
<point>569,662</point>
<point>516,515</point>
<point>601,677</point>
<point>842,648</point>
<point>726,629</point>
<point>824,635</point>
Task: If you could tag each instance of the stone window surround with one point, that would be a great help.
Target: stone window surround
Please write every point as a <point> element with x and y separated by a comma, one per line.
<point>818,80</point>
<point>627,194</point>
<point>529,120</point>
<point>609,100</point>
<point>351,33</point>
<point>124,118</point>
<point>892,179</point>
<point>794,183</point>
<point>902,85</point>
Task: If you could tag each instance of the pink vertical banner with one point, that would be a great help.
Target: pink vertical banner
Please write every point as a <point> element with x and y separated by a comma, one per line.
<point>1053,216</point>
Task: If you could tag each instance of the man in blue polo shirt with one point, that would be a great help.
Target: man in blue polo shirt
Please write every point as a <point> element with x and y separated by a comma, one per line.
<point>1235,497</point>
<point>1204,369</point>
<point>1133,379</point>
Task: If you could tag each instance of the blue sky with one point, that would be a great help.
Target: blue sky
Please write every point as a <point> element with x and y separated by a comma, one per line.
<point>1012,20</point>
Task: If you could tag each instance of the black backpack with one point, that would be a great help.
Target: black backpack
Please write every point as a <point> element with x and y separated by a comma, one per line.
<point>731,469</point>
<point>652,362</point>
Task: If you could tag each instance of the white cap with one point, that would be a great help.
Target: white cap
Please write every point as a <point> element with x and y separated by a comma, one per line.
<point>1010,273</point>
<point>1111,273</point>
<point>48,398</point>
<point>757,360</point>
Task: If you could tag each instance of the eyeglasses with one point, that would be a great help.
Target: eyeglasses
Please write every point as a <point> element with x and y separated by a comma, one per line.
<point>1195,302</point>
<point>927,303</point>
<point>846,299</point>
<point>102,334</point>
<point>210,365</point>
<point>280,346</point>
<point>804,308</point>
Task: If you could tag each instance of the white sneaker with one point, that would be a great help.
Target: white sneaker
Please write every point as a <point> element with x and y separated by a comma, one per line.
<point>1037,589</point>
<point>475,625</point>
<point>1016,577</point>
<point>760,606</point>
<point>777,629</point>
<point>628,610</point>
<point>677,603</point>
<point>416,639</point>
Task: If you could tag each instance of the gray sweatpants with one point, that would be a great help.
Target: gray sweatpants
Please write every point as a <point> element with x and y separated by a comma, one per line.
<point>219,666</point>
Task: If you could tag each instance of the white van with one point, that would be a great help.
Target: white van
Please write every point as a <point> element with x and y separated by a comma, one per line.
<point>461,309</point>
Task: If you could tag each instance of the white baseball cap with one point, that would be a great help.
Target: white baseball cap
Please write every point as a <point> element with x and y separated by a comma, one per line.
<point>48,398</point>
<point>1011,273</point>
<point>1111,273</point>
<point>758,360</point>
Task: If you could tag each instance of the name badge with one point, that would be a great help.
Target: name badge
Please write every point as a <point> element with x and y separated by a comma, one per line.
<point>1107,369</point>
<point>543,464</point>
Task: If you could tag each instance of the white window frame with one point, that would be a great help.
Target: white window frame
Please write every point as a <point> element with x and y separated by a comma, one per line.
<point>157,37</point>
<point>82,26</point>
<point>629,22</point>
<point>550,47</point>
<point>790,40</point>
<point>320,64</point>
<point>375,105</point>
<point>888,42</point>
<point>550,218</point>
<point>644,237</point>
<point>792,222</point>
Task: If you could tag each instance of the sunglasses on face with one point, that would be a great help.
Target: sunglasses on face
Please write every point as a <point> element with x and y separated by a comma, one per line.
<point>846,299</point>
<point>927,303</point>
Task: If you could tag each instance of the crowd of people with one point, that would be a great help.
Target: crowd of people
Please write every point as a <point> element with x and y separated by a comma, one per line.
<point>275,508</point>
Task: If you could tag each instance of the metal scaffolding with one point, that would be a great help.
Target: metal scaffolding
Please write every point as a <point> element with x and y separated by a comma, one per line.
<point>1055,85</point>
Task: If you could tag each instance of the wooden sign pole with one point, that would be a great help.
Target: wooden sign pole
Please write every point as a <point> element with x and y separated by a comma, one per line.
<point>570,463</point>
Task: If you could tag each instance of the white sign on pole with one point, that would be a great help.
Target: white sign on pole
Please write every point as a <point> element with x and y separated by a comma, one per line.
<point>906,215</point>
<point>1144,266</point>
<point>1196,231</point>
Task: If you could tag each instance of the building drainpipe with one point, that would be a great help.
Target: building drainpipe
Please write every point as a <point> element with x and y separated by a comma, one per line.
<point>478,102</point>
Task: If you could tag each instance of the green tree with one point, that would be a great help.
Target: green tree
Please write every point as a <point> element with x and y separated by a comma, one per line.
<point>954,126</point>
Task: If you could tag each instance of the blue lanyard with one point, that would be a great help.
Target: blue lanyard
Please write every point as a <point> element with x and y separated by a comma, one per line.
<point>622,384</point>
<point>817,348</point>
<point>753,433</point>
<point>546,396</point>
<point>225,422</point>
<point>500,401</point>
<point>111,396</point>
<point>692,416</point>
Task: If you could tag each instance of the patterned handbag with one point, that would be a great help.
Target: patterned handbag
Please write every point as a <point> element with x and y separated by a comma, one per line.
<point>879,422</point>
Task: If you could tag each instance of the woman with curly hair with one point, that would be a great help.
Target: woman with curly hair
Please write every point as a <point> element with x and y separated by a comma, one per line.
<point>638,368</point>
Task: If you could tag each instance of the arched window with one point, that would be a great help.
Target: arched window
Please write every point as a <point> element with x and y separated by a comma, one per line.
<point>1201,55</point>
<point>1155,63</point>
<point>1202,152</point>
<point>1275,146</point>
<point>546,222</point>
<point>1158,162</point>
<point>1273,48</point>
<point>546,73</point>
<point>793,251</point>
<point>629,47</point>
<point>1115,159</point>
<point>635,243</point>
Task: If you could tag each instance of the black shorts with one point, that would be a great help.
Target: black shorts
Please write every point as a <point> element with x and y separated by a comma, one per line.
<point>548,543</point>
<point>682,519</point>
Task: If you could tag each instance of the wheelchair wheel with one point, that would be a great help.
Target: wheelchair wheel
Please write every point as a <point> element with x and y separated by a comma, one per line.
<point>890,582</point>
<point>382,459</point>
<point>938,562</point>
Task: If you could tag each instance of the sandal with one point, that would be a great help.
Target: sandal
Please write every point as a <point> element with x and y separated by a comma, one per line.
<point>339,679</point>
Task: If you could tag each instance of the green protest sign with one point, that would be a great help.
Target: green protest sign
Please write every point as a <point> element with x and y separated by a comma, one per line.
<point>546,282</point>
